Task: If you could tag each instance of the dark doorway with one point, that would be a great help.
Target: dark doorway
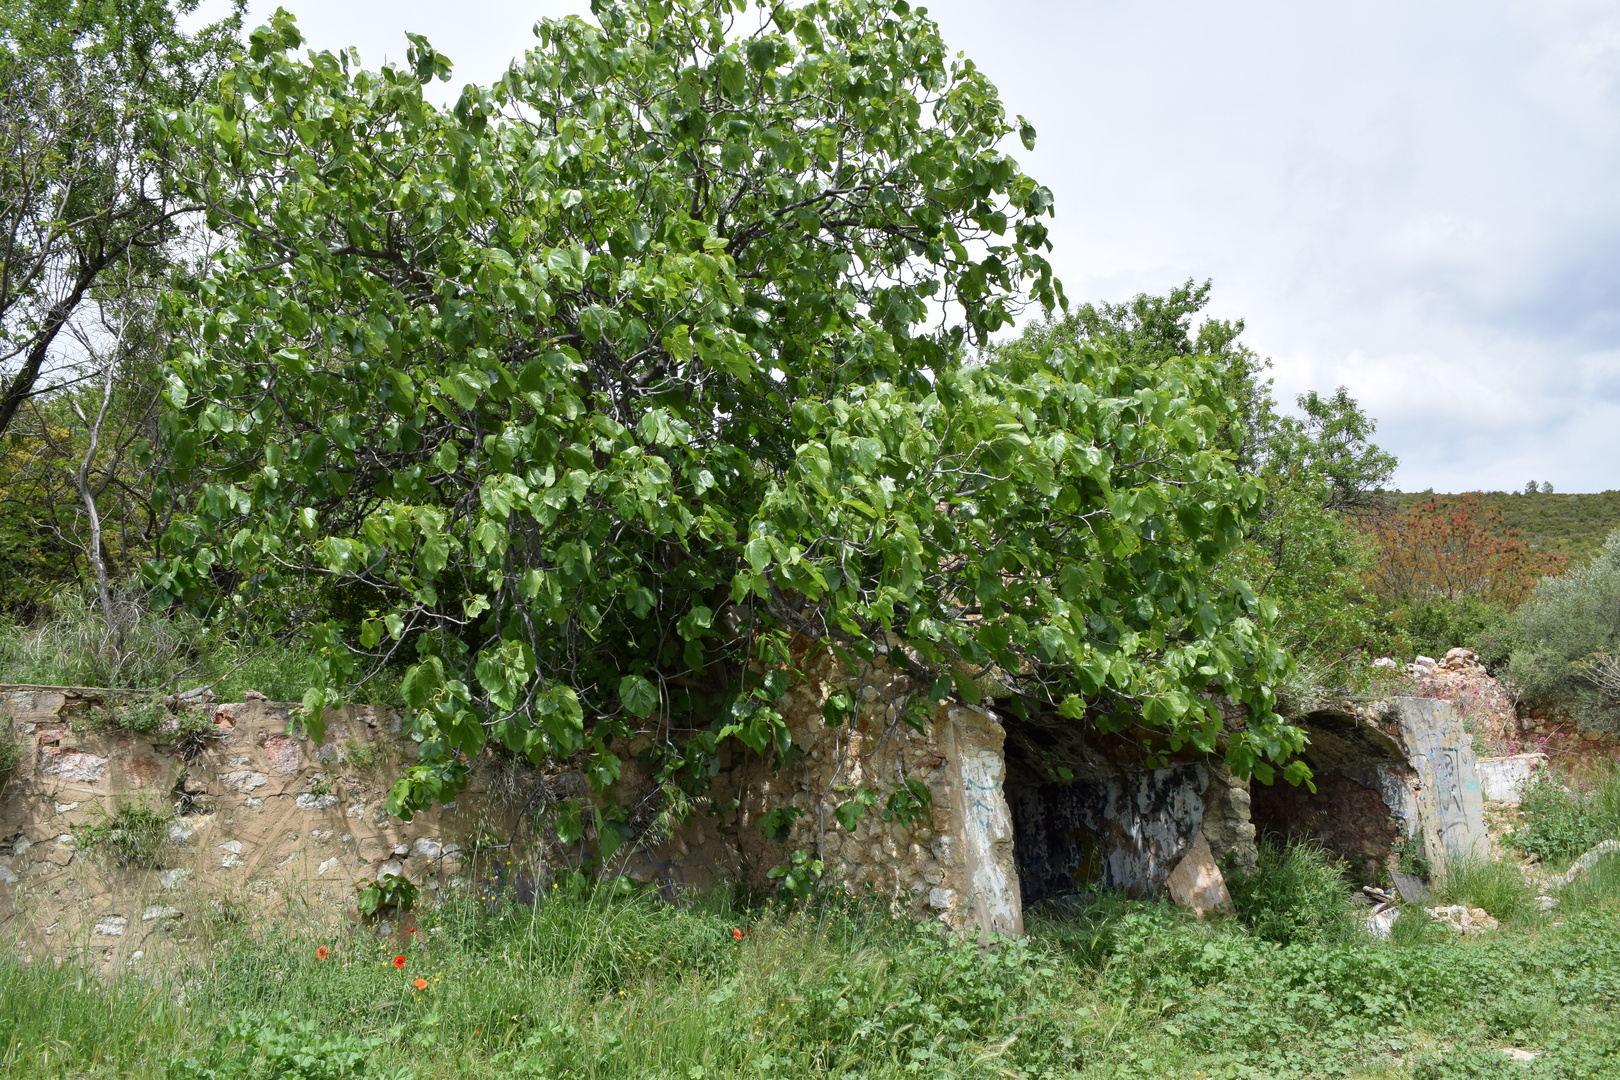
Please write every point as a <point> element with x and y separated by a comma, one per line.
<point>1357,811</point>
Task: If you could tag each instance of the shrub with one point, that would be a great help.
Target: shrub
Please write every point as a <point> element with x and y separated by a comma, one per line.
<point>1563,818</point>
<point>1567,623</point>
<point>1296,895</point>
<point>1433,625</point>
<point>140,717</point>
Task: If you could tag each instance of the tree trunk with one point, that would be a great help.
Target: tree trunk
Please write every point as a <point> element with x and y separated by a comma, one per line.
<point>81,482</point>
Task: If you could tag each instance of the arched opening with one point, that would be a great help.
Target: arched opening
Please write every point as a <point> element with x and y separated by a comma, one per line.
<point>1362,803</point>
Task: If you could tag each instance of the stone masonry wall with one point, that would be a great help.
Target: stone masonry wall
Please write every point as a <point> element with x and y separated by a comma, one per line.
<point>262,816</point>
<point>954,864</point>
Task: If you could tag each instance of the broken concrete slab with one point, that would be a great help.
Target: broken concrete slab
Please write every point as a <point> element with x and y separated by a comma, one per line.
<point>1503,779</point>
<point>1411,887</point>
<point>1196,882</point>
<point>1451,807</point>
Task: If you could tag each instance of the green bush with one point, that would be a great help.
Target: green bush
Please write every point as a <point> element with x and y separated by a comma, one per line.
<point>1563,818</point>
<point>1296,895</point>
<point>141,717</point>
<point>1568,620</point>
<point>1433,626</point>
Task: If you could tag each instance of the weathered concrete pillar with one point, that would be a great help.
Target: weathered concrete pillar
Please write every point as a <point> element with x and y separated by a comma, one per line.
<point>986,876</point>
<point>1450,807</point>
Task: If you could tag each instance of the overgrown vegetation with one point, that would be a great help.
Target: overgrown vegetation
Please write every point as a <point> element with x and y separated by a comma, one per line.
<point>167,653</point>
<point>1564,817</point>
<point>596,986</point>
<point>133,835</point>
<point>1298,894</point>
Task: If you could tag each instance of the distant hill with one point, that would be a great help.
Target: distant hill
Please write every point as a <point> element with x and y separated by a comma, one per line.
<point>1573,525</point>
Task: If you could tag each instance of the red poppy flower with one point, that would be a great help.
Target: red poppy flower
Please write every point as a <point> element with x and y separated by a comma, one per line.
<point>736,933</point>
<point>322,953</point>
<point>399,961</point>
<point>420,984</point>
<point>412,930</point>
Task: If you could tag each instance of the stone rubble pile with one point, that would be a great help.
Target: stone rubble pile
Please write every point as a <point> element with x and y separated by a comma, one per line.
<point>1487,707</point>
<point>1464,919</point>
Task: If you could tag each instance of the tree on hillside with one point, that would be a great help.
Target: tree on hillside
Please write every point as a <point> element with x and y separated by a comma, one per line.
<point>625,373</point>
<point>1563,643</point>
<point>1448,569</point>
<point>1454,549</point>
<point>82,190</point>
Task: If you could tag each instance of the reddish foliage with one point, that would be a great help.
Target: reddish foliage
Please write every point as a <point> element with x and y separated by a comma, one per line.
<point>1454,549</point>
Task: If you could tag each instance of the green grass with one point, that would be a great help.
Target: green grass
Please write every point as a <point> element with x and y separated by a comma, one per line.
<point>73,647</point>
<point>583,987</point>
<point>1496,886</point>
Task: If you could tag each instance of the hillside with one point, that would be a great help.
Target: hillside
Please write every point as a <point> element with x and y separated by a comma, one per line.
<point>1573,525</point>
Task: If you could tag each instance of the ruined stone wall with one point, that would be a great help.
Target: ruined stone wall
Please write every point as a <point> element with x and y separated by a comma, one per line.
<point>1345,815</point>
<point>262,816</point>
<point>259,818</point>
<point>954,864</point>
<point>1385,771</point>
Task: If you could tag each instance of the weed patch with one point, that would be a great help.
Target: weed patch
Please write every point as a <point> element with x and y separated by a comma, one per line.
<point>133,836</point>
<point>602,985</point>
<point>1297,895</point>
<point>1495,885</point>
<point>1564,817</point>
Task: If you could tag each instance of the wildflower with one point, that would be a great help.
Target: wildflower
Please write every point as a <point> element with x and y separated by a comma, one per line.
<point>399,961</point>
<point>736,932</point>
<point>322,952</point>
<point>412,930</point>
<point>420,984</point>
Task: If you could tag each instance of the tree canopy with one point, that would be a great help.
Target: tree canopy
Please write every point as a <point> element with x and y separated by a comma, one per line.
<point>611,380</point>
<point>82,192</point>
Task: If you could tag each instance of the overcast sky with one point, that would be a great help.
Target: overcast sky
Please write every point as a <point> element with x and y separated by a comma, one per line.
<point>1417,201</point>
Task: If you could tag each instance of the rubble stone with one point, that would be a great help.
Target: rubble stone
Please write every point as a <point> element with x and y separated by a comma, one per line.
<point>1196,882</point>
<point>73,765</point>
